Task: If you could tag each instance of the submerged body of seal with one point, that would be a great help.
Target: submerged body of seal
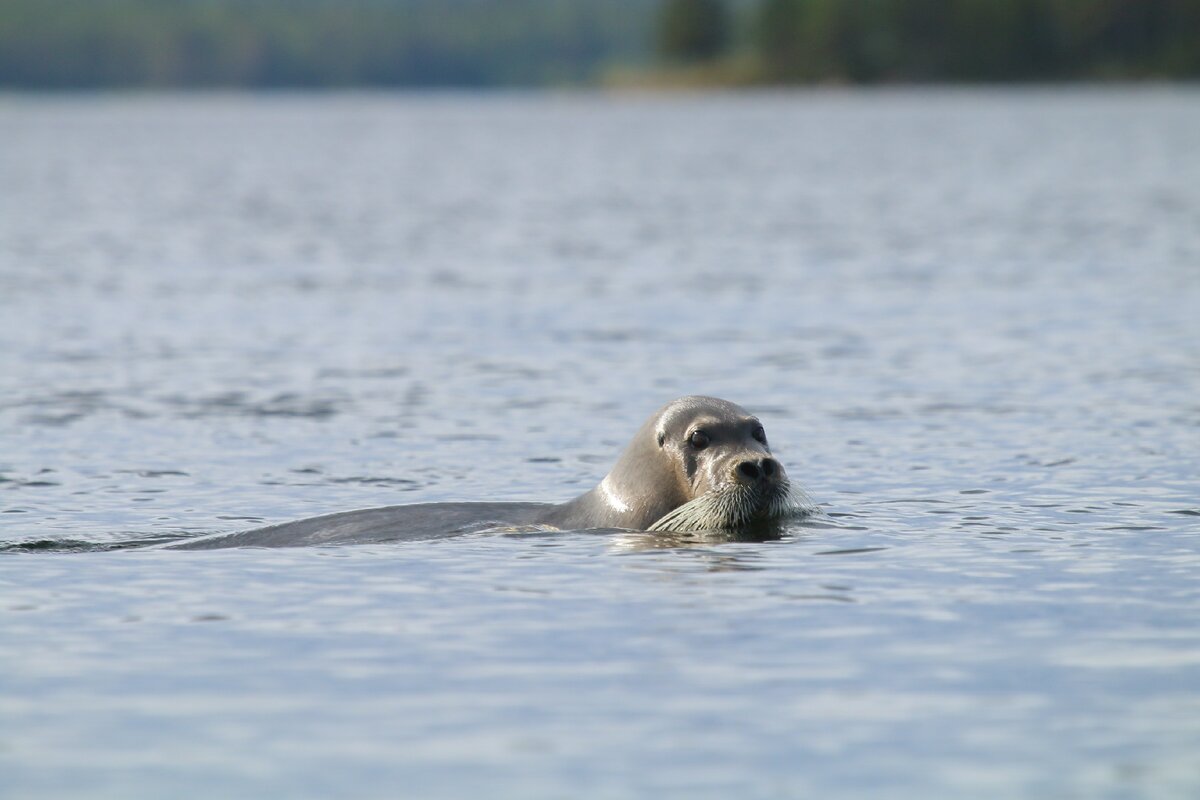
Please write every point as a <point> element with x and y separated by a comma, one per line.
<point>699,463</point>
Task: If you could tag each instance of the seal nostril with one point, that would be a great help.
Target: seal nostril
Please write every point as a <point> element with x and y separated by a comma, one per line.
<point>769,466</point>
<point>748,470</point>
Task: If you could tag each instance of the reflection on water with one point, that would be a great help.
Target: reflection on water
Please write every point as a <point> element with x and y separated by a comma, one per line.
<point>967,319</point>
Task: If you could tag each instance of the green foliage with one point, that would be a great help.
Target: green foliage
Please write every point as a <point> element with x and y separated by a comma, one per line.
<point>693,30</point>
<point>329,43</point>
<point>977,40</point>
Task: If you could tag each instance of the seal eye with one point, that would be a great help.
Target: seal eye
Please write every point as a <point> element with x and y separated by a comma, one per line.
<point>698,440</point>
<point>760,434</point>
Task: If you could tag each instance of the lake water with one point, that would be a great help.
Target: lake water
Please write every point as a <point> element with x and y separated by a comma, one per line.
<point>970,322</point>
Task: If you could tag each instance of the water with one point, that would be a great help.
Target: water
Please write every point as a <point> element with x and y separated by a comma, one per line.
<point>969,320</point>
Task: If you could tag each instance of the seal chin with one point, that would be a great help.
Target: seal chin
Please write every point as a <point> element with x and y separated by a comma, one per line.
<point>734,506</point>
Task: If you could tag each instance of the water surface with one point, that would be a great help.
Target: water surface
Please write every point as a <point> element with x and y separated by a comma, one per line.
<point>969,320</point>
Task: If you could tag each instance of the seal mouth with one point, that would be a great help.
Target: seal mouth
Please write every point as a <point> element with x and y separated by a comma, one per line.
<point>734,506</point>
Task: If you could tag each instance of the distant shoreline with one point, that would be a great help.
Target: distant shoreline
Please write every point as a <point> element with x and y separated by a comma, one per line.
<point>337,45</point>
<point>615,89</point>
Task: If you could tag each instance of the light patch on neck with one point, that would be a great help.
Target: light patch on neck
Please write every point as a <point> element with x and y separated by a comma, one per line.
<point>611,497</point>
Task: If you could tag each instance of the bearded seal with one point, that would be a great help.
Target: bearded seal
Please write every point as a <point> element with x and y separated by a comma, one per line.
<point>698,464</point>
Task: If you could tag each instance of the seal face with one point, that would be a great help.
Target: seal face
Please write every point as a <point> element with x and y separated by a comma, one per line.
<point>732,479</point>
<point>699,463</point>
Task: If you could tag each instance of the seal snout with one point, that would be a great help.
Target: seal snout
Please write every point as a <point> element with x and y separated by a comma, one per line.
<point>755,470</point>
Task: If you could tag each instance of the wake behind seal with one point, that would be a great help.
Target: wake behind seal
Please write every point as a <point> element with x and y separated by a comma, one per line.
<point>698,463</point>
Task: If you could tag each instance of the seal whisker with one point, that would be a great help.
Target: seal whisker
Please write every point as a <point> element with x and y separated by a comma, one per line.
<point>735,506</point>
<point>791,500</point>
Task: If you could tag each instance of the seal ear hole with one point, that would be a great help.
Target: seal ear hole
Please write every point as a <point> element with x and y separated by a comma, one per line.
<point>662,437</point>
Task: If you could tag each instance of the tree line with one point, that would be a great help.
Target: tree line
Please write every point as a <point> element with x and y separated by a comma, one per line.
<point>870,41</point>
<point>80,44</point>
<point>328,43</point>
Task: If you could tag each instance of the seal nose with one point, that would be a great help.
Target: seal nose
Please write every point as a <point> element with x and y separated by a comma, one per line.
<point>750,471</point>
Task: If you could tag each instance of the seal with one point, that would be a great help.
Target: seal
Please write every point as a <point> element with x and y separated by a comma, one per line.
<point>698,464</point>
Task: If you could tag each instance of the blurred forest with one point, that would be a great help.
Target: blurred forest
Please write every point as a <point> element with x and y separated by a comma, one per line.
<point>77,44</point>
<point>978,40</point>
<point>315,43</point>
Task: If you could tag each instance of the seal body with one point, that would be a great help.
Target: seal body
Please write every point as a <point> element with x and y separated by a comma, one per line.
<point>376,525</point>
<point>699,463</point>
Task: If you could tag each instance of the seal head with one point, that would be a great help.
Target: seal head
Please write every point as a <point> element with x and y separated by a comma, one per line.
<point>699,463</point>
